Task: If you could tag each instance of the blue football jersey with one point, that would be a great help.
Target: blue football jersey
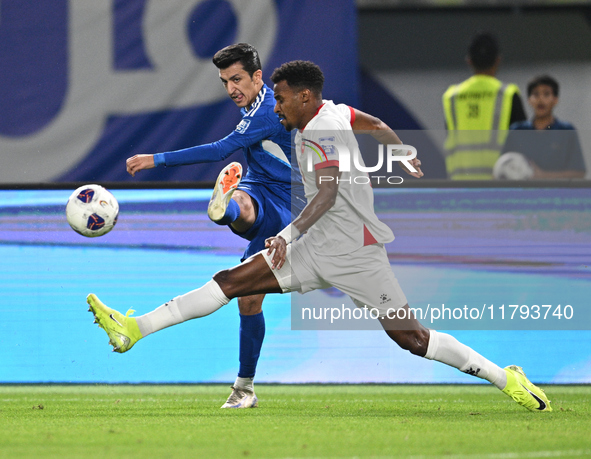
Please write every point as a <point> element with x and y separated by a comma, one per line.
<point>268,153</point>
<point>265,143</point>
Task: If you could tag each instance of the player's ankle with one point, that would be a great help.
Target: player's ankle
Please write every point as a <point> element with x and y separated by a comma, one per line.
<point>244,384</point>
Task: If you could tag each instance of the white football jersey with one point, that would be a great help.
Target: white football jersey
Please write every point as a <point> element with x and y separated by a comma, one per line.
<point>346,111</point>
<point>328,140</point>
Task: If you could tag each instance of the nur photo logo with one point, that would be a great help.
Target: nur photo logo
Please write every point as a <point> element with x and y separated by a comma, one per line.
<point>327,152</point>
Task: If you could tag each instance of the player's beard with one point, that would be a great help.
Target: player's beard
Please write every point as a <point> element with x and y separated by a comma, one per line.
<point>288,127</point>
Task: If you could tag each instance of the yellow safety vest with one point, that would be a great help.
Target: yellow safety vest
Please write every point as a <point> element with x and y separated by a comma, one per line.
<point>477,113</point>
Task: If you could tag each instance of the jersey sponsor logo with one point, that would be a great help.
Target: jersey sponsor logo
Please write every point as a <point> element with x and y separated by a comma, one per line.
<point>242,126</point>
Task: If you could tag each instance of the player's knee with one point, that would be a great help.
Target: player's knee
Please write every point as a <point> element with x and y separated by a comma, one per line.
<point>245,203</point>
<point>223,279</point>
<point>248,212</point>
<point>415,341</point>
<point>249,306</point>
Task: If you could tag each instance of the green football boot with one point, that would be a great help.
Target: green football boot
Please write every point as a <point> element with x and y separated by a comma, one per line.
<point>122,330</point>
<point>520,389</point>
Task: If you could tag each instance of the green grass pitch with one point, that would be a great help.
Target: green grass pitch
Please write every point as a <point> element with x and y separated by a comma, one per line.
<point>172,421</point>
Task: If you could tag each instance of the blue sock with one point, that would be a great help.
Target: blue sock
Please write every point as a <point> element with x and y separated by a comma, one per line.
<point>231,215</point>
<point>252,333</point>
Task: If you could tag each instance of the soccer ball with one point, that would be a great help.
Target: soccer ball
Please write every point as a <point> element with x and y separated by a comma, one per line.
<point>512,166</point>
<point>92,210</point>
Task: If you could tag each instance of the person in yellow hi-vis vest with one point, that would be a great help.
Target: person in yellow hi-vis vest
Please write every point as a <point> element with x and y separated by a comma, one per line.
<point>478,113</point>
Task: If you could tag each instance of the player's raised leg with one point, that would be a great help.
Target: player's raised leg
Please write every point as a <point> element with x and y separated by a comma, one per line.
<point>249,278</point>
<point>411,335</point>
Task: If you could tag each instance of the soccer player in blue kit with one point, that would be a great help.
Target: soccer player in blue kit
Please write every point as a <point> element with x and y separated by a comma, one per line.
<point>264,201</point>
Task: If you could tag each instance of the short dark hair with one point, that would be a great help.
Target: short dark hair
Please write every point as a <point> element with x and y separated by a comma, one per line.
<point>244,53</point>
<point>300,75</point>
<point>483,50</point>
<point>542,80</point>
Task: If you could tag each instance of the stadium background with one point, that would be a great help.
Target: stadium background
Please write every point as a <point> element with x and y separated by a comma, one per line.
<point>86,84</point>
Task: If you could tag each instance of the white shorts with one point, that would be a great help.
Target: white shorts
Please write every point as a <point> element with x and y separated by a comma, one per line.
<point>365,275</point>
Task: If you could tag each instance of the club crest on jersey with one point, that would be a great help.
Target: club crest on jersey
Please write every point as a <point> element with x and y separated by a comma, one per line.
<point>242,126</point>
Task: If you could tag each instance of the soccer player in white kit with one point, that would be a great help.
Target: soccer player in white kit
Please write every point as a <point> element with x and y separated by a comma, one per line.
<point>337,240</point>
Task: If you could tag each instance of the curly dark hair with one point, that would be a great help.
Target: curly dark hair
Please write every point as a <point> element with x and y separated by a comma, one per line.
<point>483,50</point>
<point>300,75</point>
<point>244,53</point>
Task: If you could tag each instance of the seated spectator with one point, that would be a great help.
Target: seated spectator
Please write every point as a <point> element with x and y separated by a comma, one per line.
<point>551,145</point>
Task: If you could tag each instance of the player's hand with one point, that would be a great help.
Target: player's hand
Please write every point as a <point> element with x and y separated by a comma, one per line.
<point>139,162</point>
<point>278,245</point>
<point>416,163</point>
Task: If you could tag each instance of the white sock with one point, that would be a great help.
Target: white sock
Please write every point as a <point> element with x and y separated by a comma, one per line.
<point>197,303</point>
<point>446,349</point>
<point>244,383</point>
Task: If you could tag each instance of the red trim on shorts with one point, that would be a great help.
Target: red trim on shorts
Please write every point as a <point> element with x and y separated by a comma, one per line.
<point>332,163</point>
<point>368,238</point>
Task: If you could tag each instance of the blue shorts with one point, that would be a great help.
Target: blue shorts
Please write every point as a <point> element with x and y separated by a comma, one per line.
<point>277,207</point>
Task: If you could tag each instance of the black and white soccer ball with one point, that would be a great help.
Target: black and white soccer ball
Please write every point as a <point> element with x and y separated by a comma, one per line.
<point>92,210</point>
<point>512,166</point>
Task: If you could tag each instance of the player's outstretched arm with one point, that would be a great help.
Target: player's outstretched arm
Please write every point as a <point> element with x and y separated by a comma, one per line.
<point>259,129</point>
<point>378,129</point>
<point>328,187</point>
<point>383,134</point>
<point>139,162</point>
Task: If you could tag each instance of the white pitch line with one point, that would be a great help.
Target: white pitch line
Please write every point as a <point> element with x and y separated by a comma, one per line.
<point>532,454</point>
